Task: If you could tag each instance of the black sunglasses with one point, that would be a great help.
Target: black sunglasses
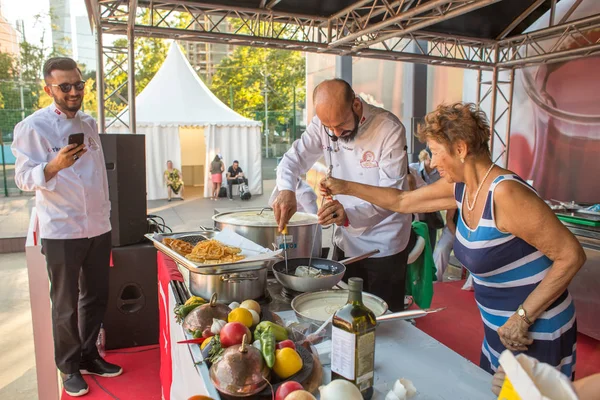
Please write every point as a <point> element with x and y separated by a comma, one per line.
<point>66,87</point>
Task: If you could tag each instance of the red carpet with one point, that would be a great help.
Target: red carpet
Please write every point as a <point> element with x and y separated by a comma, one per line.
<point>460,328</point>
<point>138,381</point>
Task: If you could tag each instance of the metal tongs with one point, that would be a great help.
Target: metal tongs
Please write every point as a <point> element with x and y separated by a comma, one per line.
<point>312,248</point>
<point>284,233</point>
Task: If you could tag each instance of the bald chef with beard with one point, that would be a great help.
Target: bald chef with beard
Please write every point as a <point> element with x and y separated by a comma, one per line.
<point>360,143</point>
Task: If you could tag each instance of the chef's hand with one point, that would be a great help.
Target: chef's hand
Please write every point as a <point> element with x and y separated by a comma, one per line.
<point>498,381</point>
<point>332,186</point>
<point>285,207</point>
<point>514,334</point>
<point>332,212</point>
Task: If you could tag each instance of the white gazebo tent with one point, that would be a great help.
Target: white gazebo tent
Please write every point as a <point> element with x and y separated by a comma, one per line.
<point>186,123</point>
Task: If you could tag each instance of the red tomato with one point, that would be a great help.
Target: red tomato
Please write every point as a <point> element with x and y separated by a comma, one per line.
<point>287,388</point>
<point>286,343</point>
<point>233,333</point>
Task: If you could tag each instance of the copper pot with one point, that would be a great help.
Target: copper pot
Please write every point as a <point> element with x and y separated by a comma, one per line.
<point>240,372</point>
<point>201,317</point>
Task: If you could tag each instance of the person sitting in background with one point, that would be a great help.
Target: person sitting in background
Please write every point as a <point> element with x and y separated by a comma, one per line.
<point>173,179</point>
<point>216,175</point>
<point>235,176</point>
<point>305,197</point>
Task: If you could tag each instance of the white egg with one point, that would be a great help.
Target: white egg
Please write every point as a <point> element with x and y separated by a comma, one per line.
<point>399,390</point>
<point>411,390</point>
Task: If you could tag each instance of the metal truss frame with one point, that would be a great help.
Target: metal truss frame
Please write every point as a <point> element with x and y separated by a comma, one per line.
<point>499,91</point>
<point>392,30</point>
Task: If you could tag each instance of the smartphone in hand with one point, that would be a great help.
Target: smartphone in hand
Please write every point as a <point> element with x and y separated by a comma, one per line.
<point>76,138</point>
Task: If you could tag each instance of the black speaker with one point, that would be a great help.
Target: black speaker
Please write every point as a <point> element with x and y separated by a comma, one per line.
<point>125,157</point>
<point>131,317</point>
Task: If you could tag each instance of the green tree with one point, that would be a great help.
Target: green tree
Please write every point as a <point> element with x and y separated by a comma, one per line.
<point>244,73</point>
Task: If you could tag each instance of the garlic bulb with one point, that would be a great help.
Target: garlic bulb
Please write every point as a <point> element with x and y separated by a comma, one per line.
<point>217,325</point>
<point>234,305</point>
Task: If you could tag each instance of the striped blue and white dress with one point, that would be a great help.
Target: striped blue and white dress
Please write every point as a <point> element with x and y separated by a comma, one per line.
<point>505,270</point>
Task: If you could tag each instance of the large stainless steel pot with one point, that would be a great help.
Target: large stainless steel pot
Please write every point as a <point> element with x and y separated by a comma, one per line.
<point>231,286</point>
<point>259,226</point>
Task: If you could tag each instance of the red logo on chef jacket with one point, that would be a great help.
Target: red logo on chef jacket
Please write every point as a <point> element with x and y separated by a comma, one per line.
<point>368,160</point>
<point>57,111</point>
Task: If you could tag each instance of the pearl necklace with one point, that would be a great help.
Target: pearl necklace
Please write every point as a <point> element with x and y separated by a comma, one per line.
<point>469,206</point>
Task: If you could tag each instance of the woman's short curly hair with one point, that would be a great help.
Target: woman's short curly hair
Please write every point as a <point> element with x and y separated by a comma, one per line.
<point>458,121</point>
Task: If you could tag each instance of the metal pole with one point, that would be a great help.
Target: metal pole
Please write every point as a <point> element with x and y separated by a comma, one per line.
<point>509,117</point>
<point>100,80</point>
<point>20,84</point>
<point>131,71</point>
<point>3,166</point>
<point>266,116</point>
<point>493,110</point>
<point>479,88</point>
<point>293,137</point>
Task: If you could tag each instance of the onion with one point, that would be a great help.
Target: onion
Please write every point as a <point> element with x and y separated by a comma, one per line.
<point>411,390</point>
<point>399,390</point>
<point>340,389</point>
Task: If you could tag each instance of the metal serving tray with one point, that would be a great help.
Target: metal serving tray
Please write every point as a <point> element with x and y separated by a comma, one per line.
<point>195,237</point>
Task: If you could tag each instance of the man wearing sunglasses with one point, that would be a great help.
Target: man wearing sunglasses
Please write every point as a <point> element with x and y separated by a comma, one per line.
<point>73,210</point>
<point>366,144</point>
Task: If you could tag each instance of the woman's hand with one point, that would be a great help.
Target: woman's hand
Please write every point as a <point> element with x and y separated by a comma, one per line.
<point>498,381</point>
<point>514,334</point>
<point>332,186</point>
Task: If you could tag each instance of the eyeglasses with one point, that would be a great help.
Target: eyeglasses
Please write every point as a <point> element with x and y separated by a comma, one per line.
<point>344,132</point>
<point>66,87</point>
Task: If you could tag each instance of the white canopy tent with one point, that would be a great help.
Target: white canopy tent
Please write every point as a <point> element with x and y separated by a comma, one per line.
<point>186,123</point>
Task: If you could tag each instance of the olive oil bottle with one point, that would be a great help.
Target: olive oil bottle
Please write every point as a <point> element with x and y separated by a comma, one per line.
<point>353,341</point>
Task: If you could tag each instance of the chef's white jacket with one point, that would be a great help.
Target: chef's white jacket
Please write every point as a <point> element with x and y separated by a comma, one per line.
<point>74,204</point>
<point>375,157</point>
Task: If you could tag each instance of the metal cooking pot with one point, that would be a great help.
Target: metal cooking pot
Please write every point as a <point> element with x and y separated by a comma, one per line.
<point>231,286</point>
<point>259,226</point>
<point>333,272</point>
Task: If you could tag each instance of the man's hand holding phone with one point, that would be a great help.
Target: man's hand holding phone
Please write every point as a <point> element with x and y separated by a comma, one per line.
<point>66,157</point>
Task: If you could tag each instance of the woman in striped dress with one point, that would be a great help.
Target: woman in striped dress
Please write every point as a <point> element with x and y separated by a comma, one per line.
<point>521,256</point>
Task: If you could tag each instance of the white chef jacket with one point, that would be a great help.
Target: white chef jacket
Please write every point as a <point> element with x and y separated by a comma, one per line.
<point>375,157</point>
<point>74,204</point>
<point>306,198</point>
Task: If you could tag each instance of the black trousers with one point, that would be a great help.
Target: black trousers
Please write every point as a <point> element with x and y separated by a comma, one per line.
<point>236,181</point>
<point>78,271</point>
<point>384,277</point>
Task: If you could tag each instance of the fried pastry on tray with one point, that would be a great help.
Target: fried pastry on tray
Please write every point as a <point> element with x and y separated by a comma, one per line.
<point>214,252</point>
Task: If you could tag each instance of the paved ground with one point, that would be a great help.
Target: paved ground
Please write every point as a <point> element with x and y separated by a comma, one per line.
<point>17,360</point>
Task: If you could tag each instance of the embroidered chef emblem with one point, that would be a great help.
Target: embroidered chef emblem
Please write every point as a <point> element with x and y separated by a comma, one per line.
<point>368,160</point>
<point>92,144</point>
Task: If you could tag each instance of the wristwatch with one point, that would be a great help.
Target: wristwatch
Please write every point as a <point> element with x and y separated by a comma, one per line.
<point>523,314</point>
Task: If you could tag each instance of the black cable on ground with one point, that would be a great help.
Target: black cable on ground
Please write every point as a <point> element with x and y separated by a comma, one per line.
<point>105,390</point>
